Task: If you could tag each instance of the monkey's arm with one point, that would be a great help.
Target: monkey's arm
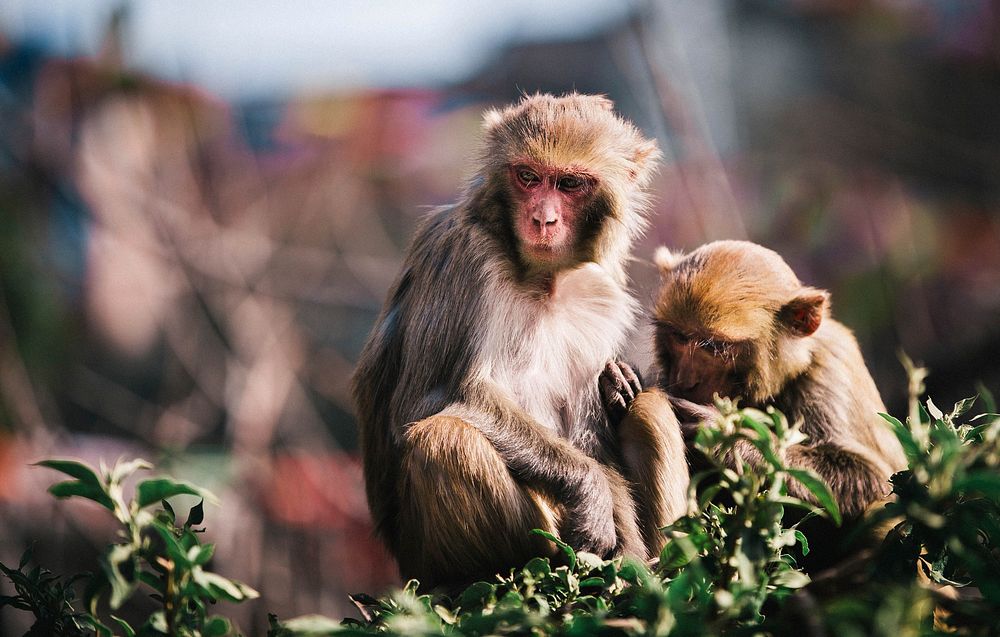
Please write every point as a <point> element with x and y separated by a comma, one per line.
<point>853,475</point>
<point>548,463</point>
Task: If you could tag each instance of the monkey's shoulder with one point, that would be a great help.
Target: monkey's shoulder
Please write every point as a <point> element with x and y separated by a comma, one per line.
<point>837,390</point>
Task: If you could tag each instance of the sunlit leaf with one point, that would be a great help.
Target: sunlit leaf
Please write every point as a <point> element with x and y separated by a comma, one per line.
<point>122,568</point>
<point>125,627</point>
<point>476,594</point>
<point>565,548</point>
<point>152,491</point>
<point>817,487</point>
<point>933,410</point>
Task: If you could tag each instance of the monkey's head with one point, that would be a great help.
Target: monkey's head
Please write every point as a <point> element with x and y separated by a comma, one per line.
<point>562,180</point>
<point>732,318</point>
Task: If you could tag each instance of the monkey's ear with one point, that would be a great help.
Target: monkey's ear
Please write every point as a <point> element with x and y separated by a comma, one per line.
<point>492,119</point>
<point>666,259</point>
<point>803,314</point>
<point>645,158</point>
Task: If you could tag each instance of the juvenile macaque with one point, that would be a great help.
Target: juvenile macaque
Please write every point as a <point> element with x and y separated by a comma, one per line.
<point>733,319</point>
<point>477,394</point>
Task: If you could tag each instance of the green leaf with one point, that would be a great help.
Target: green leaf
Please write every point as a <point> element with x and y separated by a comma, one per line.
<point>171,546</point>
<point>476,595</point>
<point>200,554</point>
<point>153,581</point>
<point>158,622</point>
<point>446,615</point>
<point>196,515</point>
<point>790,579</point>
<point>169,510</point>
<point>72,488</point>
<point>763,441</point>
<point>72,468</point>
<point>152,491</point>
<point>817,487</point>
<point>25,558</point>
<point>124,625</point>
<point>985,482</point>
<point>216,627</point>
<point>803,542</point>
<point>538,567</point>
<point>962,407</point>
<point>565,548</point>
<point>87,484</point>
<point>222,587</point>
<point>121,566</point>
<point>99,629</point>
<point>910,446</point>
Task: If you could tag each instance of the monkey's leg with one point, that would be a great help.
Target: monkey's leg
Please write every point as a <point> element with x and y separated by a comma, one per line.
<point>653,452</point>
<point>463,516</point>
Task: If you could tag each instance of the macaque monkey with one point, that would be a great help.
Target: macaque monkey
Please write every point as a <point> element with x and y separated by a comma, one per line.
<point>733,319</point>
<point>477,395</point>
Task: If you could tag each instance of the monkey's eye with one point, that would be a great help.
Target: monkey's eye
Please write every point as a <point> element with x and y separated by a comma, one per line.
<point>569,184</point>
<point>527,177</point>
<point>714,347</point>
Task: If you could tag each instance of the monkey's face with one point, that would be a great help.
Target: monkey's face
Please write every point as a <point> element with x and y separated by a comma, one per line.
<point>698,366</point>
<point>550,205</point>
<point>733,319</point>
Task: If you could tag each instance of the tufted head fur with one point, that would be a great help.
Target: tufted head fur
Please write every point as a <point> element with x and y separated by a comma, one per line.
<point>742,293</point>
<point>583,135</point>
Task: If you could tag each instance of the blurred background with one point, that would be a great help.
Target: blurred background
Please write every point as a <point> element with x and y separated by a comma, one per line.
<point>203,203</point>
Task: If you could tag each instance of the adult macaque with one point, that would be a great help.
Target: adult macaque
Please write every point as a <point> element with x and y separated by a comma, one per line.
<point>733,319</point>
<point>476,392</point>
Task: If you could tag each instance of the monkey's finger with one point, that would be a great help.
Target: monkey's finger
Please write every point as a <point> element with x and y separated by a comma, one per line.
<point>631,378</point>
<point>614,370</point>
<point>693,410</point>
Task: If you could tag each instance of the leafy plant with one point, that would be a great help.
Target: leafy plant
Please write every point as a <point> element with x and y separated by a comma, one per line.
<point>727,569</point>
<point>47,597</point>
<point>153,552</point>
<point>944,543</point>
<point>723,562</point>
<point>730,553</point>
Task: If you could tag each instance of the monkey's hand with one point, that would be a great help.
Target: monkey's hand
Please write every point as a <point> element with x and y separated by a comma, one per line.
<point>619,385</point>
<point>589,524</point>
<point>690,416</point>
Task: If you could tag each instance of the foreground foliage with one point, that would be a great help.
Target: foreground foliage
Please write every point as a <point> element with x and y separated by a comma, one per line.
<point>154,554</point>
<point>729,566</point>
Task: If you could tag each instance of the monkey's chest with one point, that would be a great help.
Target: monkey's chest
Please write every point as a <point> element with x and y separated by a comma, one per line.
<point>557,347</point>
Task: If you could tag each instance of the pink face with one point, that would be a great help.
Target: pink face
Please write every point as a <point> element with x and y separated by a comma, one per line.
<point>696,368</point>
<point>548,208</point>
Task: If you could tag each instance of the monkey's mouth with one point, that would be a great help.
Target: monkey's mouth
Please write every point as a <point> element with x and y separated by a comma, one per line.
<point>544,251</point>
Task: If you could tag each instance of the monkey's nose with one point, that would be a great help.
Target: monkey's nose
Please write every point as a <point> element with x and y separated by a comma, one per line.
<point>543,220</point>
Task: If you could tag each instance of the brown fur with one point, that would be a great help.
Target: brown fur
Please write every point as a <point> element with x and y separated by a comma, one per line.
<point>781,347</point>
<point>476,397</point>
<point>653,452</point>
